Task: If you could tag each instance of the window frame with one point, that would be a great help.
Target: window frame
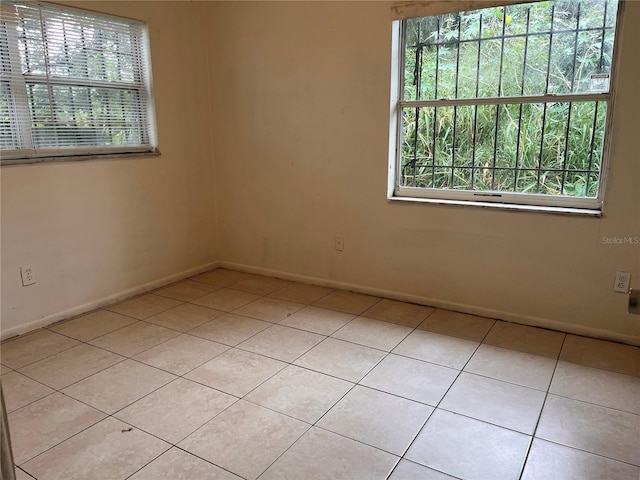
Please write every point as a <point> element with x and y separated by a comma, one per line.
<point>496,199</point>
<point>19,82</point>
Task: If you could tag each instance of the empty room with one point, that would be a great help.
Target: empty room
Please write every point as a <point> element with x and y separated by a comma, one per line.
<point>350,240</point>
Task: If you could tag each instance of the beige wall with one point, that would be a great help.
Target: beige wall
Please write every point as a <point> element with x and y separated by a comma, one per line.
<point>297,123</point>
<point>95,229</point>
<point>301,138</point>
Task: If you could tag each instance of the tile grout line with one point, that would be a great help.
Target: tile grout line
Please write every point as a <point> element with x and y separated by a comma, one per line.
<point>437,406</point>
<point>544,402</point>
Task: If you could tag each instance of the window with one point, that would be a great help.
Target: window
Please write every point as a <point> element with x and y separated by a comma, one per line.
<point>72,83</point>
<point>505,104</point>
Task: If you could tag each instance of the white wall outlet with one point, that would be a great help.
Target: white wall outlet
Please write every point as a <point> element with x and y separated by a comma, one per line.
<point>623,282</point>
<point>339,243</point>
<point>28,277</point>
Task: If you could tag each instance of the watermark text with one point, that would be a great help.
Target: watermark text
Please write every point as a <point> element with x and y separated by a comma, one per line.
<point>621,240</point>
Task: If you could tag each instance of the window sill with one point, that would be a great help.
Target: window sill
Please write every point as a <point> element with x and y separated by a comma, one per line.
<point>582,212</point>
<point>75,158</point>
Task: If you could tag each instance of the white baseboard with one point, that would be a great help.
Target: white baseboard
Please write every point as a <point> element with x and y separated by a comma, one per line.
<point>433,302</point>
<point>404,297</point>
<point>116,297</point>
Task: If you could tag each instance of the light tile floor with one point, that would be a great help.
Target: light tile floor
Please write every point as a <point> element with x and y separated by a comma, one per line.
<point>229,375</point>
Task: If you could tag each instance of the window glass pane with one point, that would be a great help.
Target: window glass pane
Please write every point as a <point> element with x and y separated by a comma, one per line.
<point>535,74</point>
<point>462,178</point>
<point>447,71</point>
<point>470,25</point>
<point>80,51</point>
<point>550,47</point>
<point>85,116</point>
<point>468,70</point>
<point>31,45</point>
<point>563,56</point>
<point>443,154</point>
<point>463,151</point>
<point>507,135</point>
<point>4,49</point>
<point>554,141</point>
<point>7,139</point>
<point>417,147</point>
<point>512,66</point>
<point>530,135</point>
<point>429,62</point>
<point>503,180</point>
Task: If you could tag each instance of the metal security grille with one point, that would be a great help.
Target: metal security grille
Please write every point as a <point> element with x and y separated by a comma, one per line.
<point>72,83</point>
<point>507,103</point>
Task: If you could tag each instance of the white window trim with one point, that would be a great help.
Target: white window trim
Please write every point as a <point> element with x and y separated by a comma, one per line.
<point>499,200</point>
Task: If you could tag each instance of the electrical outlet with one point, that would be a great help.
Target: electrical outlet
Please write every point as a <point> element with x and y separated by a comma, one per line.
<point>622,283</point>
<point>339,243</point>
<point>28,277</point>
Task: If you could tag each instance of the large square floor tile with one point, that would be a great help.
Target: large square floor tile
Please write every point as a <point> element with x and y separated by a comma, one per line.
<point>348,302</point>
<point>592,428</point>
<point>401,313</point>
<point>143,306</point>
<point>602,387</point>
<point>182,405</point>
<point>181,354</point>
<point>236,372</point>
<point>47,422</point>
<point>92,325</point>
<point>504,404</point>
<point>226,299</point>
<point>221,277</point>
<point>301,293</point>
<point>456,324</point>
<point>185,317</point>
<point>177,464</point>
<point>300,393</point>
<point>281,343</point>
<point>378,419</point>
<point>536,341</point>
<point>406,470</point>
<point>70,366</point>
<point>136,338</point>
<point>373,333</point>
<point>412,379</point>
<point>260,285</point>
<point>269,309</point>
<point>19,390</point>
<point>108,450</point>
<point>526,369</point>
<point>345,360</point>
<point>601,354</point>
<point>22,475</point>
<point>550,461</point>
<point>435,348</point>
<point>467,448</point>
<point>245,439</point>
<point>118,386</point>
<point>324,455</point>
<point>186,290</point>
<point>230,329</point>
<point>30,348</point>
<point>317,320</point>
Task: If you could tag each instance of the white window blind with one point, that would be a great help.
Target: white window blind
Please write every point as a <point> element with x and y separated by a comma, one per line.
<point>72,82</point>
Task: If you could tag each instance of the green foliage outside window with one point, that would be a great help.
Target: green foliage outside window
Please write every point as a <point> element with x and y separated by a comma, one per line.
<point>545,48</point>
